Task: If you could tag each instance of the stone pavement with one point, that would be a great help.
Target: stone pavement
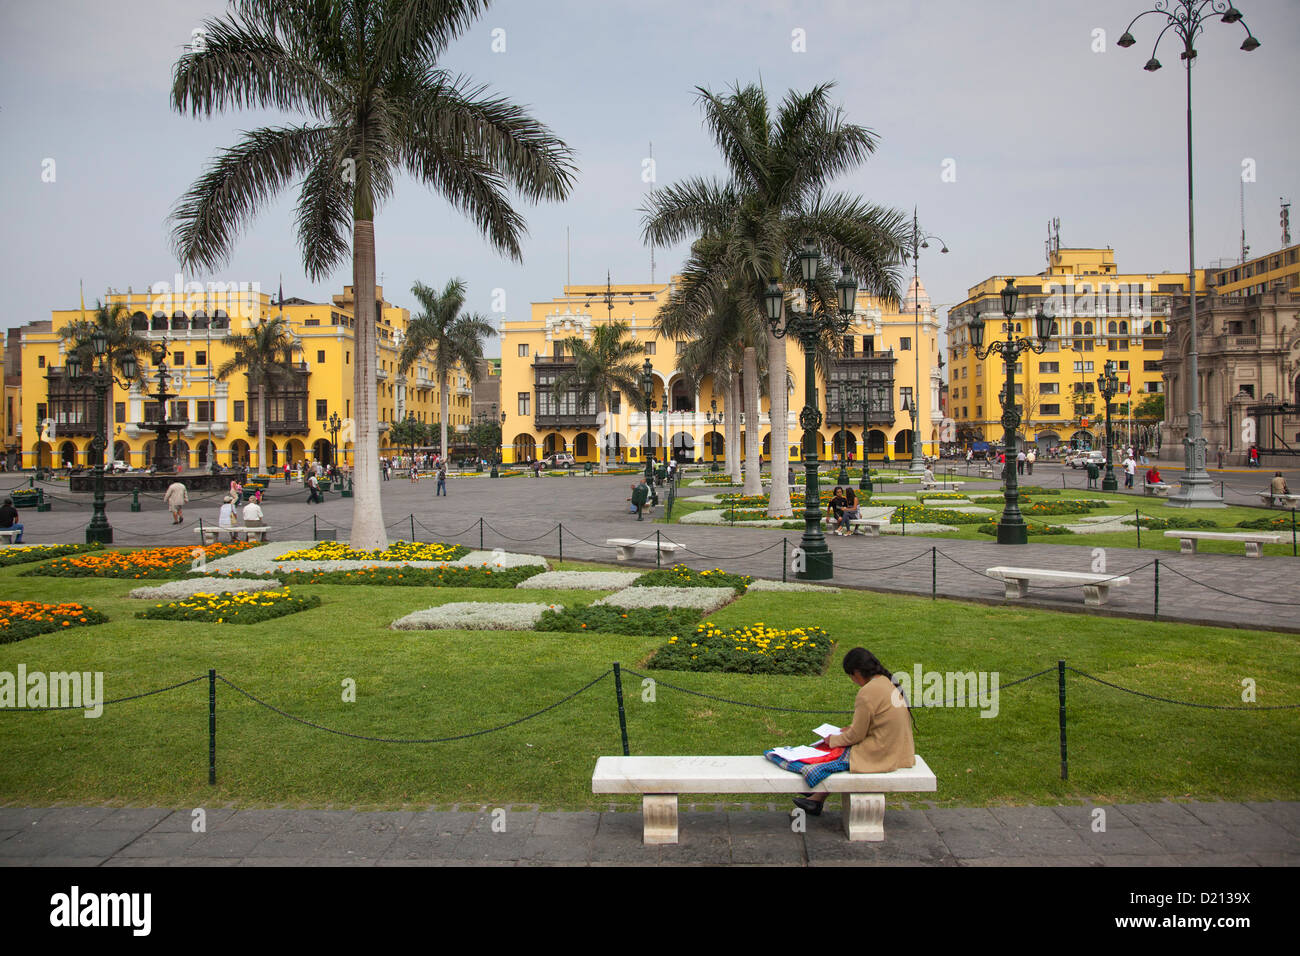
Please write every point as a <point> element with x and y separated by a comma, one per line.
<point>522,514</point>
<point>1147,834</point>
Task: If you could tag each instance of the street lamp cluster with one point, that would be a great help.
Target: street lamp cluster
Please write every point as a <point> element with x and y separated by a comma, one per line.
<point>918,241</point>
<point>809,326</point>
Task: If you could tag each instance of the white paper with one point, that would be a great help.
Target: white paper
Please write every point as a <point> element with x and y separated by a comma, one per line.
<point>825,730</point>
<point>798,753</point>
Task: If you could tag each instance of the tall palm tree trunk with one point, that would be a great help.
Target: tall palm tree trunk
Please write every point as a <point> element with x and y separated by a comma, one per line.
<point>368,532</point>
<point>444,399</point>
<point>778,411</point>
<point>753,441</point>
<point>261,425</point>
<point>733,429</point>
<point>602,439</point>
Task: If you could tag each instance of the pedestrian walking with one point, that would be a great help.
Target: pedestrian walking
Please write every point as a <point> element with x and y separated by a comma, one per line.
<point>1020,462</point>
<point>313,491</point>
<point>1030,457</point>
<point>1220,458</point>
<point>1130,469</point>
<point>442,480</point>
<point>175,497</point>
<point>286,472</point>
<point>1254,456</point>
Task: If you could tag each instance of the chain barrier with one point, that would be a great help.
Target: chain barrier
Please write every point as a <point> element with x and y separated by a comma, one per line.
<point>502,534</point>
<point>886,567</point>
<point>1181,703</point>
<point>444,534</point>
<point>1052,587</point>
<point>424,740</point>
<point>116,700</point>
<point>1169,567</point>
<point>726,557</point>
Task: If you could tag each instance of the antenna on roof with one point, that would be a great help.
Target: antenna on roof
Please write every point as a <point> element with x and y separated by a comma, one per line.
<point>1245,249</point>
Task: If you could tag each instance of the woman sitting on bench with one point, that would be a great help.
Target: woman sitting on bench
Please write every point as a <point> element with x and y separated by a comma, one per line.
<point>835,509</point>
<point>1153,475</point>
<point>879,739</point>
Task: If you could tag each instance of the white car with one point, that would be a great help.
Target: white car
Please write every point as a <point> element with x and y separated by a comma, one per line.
<point>1084,459</point>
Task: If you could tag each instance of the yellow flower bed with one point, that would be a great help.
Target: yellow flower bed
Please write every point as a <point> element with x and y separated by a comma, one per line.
<point>753,649</point>
<point>239,607</point>
<point>400,551</point>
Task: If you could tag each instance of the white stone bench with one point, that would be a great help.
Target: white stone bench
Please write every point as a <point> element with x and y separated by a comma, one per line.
<point>1158,490</point>
<point>660,779</point>
<point>1285,501</point>
<point>9,534</point>
<point>986,471</point>
<point>940,485</point>
<point>1096,587</point>
<point>1253,542</point>
<point>212,533</point>
<point>628,547</point>
<point>872,525</point>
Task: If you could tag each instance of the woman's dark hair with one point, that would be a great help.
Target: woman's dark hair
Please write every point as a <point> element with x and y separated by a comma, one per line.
<point>849,496</point>
<point>864,662</point>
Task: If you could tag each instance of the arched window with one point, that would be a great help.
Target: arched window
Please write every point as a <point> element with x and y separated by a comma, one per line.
<point>1087,328</point>
<point>1078,328</point>
<point>1112,328</point>
<point>1123,328</point>
<point>1159,328</point>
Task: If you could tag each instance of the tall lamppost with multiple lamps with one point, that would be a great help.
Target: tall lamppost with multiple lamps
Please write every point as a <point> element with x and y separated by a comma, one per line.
<point>1011,528</point>
<point>808,326</point>
<point>918,241</point>
<point>647,392</point>
<point>864,398</point>
<point>1187,19</point>
<point>844,396</point>
<point>1108,385</point>
<point>501,446</point>
<point>100,377</point>
<point>714,418</point>
<point>333,426</point>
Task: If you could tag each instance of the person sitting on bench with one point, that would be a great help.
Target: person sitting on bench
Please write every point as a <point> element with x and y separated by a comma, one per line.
<point>1153,475</point>
<point>1277,487</point>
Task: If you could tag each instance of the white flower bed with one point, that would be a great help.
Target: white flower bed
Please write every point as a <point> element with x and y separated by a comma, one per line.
<point>764,585</point>
<point>267,559</point>
<point>923,527</point>
<point>475,616</point>
<point>699,599</point>
<point>720,517</point>
<point>580,580</point>
<point>178,590</point>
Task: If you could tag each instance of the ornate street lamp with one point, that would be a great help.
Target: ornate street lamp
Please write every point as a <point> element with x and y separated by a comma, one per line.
<point>808,327</point>
<point>1011,528</point>
<point>714,418</point>
<point>1108,385</point>
<point>1187,19</point>
<point>333,426</point>
<point>864,398</point>
<point>100,377</point>
<point>844,396</point>
<point>918,241</point>
<point>647,391</point>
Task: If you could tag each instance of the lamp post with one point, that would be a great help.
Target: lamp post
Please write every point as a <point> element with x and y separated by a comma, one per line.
<point>333,426</point>
<point>100,377</point>
<point>1011,528</point>
<point>843,399</point>
<point>1187,19</point>
<point>1108,385</point>
<point>714,418</point>
<point>501,446</point>
<point>864,397</point>
<point>647,391</point>
<point>817,561</point>
<point>918,241</point>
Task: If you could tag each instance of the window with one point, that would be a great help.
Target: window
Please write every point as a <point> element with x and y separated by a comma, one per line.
<point>178,359</point>
<point>347,358</point>
<point>559,351</point>
<point>965,371</point>
<point>615,403</point>
<point>320,356</point>
<point>40,363</point>
<point>322,409</point>
<point>1154,388</point>
<point>311,322</point>
<point>1050,410</point>
<point>681,346</point>
<point>979,391</point>
<point>1249,390</point>
<point>868,345</point>
<point>238,413</point>
<point>1018,389</point>
<point>200,358</point>
<point>1049,368</point>
<point>523,350</point>
<point>650,348</point>
<point>979,411</point>
<point>180,411</point>
<point>979,370</point>
<point>524,398</point>
<point>1020,368</point>
<point>42,412</point>
<point>119,411</point>
<point>848,345</point>
<point>1150,365</point>
<point>905,344</point>
<point>1123,366</point>
<point>1087,366</point>
<point>905,397</point>
<point>1050,388</point>
<point>347,407</point>
<point>203,410</point>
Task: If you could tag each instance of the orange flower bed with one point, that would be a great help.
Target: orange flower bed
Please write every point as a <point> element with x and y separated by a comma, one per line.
<point>142,563</point>
<point>22,619</point>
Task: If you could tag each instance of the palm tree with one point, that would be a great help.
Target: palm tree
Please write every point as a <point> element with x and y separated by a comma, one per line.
<point>265,352</point>
<point>774,197</point>
<point>366,72</point>
<point>602,366</point>
<point>452,338</point>
<point>114,318</point>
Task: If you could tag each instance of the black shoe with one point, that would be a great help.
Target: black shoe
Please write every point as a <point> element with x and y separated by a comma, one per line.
<point>812,807</point>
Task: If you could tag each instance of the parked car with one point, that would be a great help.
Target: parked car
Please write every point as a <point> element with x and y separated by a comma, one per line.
<point>560,459</point>
<point>118,465</point>
<point>1085,458</point>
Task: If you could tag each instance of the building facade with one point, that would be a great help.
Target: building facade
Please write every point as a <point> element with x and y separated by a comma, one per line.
<point>1101,315</point>
<point>1248,359</point>
<point>215,420</point>
<point>876,358</point>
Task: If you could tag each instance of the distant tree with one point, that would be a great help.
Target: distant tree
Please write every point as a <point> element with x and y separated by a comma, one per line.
<point>115,320</point>
<point>1152,408</point>
<point>601,367</point>
<point>265,352</point>
<point>410,433</point>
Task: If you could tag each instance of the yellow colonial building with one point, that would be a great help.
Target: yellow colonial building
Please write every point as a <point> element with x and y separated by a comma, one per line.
<point>878,355</point>
<point>1101,315</point>
<point>214,419</point>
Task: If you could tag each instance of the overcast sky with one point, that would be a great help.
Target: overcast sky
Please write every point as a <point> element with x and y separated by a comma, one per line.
<point>1010,95</point>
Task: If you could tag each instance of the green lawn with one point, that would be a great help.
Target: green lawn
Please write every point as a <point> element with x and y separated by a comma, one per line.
<point>440,683</point>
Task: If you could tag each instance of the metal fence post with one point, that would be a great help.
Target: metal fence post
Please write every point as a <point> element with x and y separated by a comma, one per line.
<point>560,528</point>
<point>934,572</point>
<point>785,545</point>
<point>480,533</point>
<point>212,726</point>
<point>1060,684</point>
<point>1137,523</point>
<point>622,717</point>
<point>658,555</point>
<point>1156,612</point>
<point>412,527</point>
<point>1293,554</point>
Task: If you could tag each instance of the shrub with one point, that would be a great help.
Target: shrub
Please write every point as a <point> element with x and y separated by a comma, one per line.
<point>141,563</point>
<point>1037,490</point>
<point>1066,506</point>
<point>918,514</point>
<point>399,551</point>
<point>23,619</point>
<point>680,576</point>
<point>991,527</point>
<point>1174,521</point>
<point>242,607</point>
<point>25,554</point>
<point>757,649</point>
<point>607,618</point>
<point>1267,523</point>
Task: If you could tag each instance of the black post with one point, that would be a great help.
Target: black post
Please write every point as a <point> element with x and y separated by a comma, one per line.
<point>658,556</point>
<point>1060,684</point>
<point>560,528</point>
<point>1137,523</point>
<point>413,528</point>
<point>212,726</point>
<point>934,572</point>
<point>1156,612</point>
<point>314,535</point>
<point>480,534</point>
<point>785,544</point>
<point>135,500</point>
<point>1293,553</point>
<point>622,717</point>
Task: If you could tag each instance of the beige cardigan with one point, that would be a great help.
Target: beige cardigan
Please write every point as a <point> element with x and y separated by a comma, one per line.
<point>880,736</point>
